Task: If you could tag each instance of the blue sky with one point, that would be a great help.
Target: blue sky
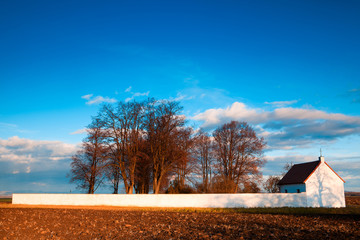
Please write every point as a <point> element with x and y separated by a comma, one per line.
<point>289,68</point>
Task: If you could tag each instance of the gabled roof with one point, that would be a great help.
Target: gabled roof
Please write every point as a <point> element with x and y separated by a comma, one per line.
<point>299,173</point>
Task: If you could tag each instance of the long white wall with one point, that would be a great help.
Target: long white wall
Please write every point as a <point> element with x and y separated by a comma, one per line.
<point>167,200</point>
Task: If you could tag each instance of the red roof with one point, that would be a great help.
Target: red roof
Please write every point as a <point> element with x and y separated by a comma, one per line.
<point>299,173</point>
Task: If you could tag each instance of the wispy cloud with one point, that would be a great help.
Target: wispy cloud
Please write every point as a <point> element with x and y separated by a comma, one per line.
<point>98,99</point>
<point>128,89</point>
<point>7,125</point>
<point>79,131</point>
<point>39,184</point>
<point>355,90</point>
<point>282,103</point>
<point>87,97</point>
<point>181,97</point>
<point>12,128</point>
<point>138,94</point>
<point>202,98</point>
<point>135,94</point>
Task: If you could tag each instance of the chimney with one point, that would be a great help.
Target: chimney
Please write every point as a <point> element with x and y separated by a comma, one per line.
<point>321,158</point>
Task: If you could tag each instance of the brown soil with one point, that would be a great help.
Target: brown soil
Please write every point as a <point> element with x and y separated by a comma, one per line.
<point>39,222</point>
<point>353,201</point>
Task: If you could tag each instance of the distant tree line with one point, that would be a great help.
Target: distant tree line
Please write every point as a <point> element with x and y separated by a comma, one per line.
<point>147,146</point>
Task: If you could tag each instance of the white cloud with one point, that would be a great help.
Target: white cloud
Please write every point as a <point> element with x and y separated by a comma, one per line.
<point>290,158</point>
<point>87,97</point>
<point>136,94</point>
<point>8,125</point>
<point>22,154</point>
<point>128,89</point>
<point>311,114</point>
<point>57,158</point>
<point>285,127</point>
<point>180,97</point>
<point>79,131</point>
<point>351,177</point>
<point>128,99</point>
<point>26,165</point>
<point>12,128</point>
<point>282,103</point>
<point>237,111</point>
<point>23,158</point>
<point>98,99</point>
<point>28,148</point>
<point>39,184</point>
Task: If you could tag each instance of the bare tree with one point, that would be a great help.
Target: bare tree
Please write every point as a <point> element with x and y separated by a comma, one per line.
<point>135,141</point>
<point>124,136</point>
<point>108,117</point>
<point>162,124</point>
<point>185,162</point>
<point>287,167</point>
<point>143,173</point>
<point>251,187</point>
<point>143,168</point>
<point>271,184</point>
<point>88,164</point>
<point>239,153</point>
<point>203,152</point>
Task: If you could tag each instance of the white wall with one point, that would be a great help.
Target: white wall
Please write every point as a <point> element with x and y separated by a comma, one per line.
<point>325,189</point>
<point>292,188</point>
<point>167,200</point>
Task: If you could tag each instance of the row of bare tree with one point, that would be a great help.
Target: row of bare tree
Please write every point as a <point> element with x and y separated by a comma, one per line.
<point>146,146</point>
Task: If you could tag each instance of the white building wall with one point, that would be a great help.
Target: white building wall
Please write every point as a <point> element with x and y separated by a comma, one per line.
<point>324,188</point>
<point>167,200</point>
<point>292,188</point>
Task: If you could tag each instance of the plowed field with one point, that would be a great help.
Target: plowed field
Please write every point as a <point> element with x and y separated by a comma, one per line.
<point>36,222</point>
